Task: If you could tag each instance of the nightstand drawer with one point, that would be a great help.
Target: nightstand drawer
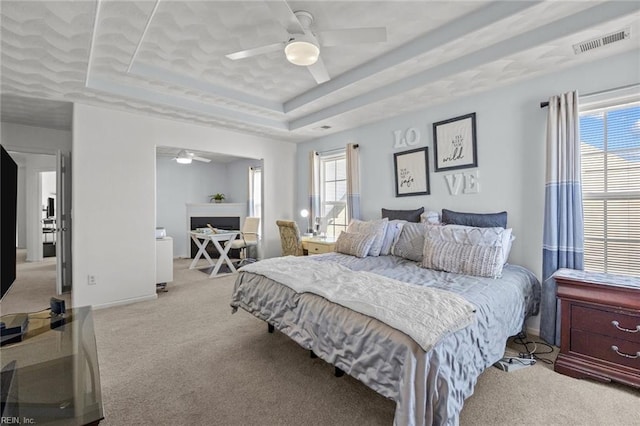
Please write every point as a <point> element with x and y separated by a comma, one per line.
<point>317,248</point>
<point>620,325</point>
<point>604,347</point>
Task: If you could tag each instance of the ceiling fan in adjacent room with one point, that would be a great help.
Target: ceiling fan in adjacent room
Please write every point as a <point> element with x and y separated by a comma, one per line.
<point>185,157</point>
<point>303,45</point>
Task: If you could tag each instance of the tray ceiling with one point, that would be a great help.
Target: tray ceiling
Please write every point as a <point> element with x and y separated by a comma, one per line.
<point>167,58</point>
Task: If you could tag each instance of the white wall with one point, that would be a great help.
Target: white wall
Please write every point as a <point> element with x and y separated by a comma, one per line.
<point>238,184</point>
<point>114,199</point>
<point>179,184</point>
<point>48,187</point>
<point>511,130</point>
<point>38,140</point>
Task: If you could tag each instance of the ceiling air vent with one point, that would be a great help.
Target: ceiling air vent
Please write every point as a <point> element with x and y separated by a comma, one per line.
<point>602,41</point>
<point>325,127</point>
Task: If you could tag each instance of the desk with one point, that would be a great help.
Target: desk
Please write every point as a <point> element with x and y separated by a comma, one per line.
<point>317,245</point>
<point>201,239</point>
<point>51,377</point>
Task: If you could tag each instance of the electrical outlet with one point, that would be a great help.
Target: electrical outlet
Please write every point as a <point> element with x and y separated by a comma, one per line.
<point>92,280</point>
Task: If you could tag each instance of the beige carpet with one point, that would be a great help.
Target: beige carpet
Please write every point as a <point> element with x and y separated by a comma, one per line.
<point>185,360</point>
<point>35,284</point>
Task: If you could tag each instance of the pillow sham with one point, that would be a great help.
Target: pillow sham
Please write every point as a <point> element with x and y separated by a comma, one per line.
<point>480,220</point>
<point>430,217</point>
<point>376,228</point>
<point>410,244</point>
<point>466,250</point>
<point>394,227</point>
<point>408,215</point>
<point>354,244</point>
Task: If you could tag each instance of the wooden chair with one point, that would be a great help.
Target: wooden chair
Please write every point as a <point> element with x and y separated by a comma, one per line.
<point>290,238</point>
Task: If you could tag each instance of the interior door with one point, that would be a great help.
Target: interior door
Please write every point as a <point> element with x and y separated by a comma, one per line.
<point>63,222</point>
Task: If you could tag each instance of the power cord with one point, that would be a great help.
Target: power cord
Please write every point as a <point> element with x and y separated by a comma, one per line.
<point>521,339</point>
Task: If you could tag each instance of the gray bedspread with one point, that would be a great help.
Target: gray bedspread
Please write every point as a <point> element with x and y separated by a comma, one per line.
<point>429,388</point>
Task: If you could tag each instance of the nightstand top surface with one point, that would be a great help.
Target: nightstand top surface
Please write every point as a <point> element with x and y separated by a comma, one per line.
<point>599,278</point>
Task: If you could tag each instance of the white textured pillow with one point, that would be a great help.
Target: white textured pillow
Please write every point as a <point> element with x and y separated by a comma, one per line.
<point>394,227</point>
<point>430,217</point>
<point>466,249</point>
<point>410,244</point>
<point>377,228</point>
<point>354,244</point>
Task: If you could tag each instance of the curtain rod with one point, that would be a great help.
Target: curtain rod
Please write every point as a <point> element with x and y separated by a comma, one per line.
<point>546,104</point>
<point>335,151</point>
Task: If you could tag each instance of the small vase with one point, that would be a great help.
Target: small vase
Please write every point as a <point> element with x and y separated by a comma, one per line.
<point>217,201</point>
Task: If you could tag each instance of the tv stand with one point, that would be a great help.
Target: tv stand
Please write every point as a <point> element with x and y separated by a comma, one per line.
<point>51,377</point>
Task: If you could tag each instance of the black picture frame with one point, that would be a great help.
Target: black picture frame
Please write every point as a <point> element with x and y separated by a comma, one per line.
<point>411,170</point>
<point>454,143</point>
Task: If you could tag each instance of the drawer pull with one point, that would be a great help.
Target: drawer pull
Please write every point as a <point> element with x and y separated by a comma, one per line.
<point>616,324</point>
<point>615,349</point>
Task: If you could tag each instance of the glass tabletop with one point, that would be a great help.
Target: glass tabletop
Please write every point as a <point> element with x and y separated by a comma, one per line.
<point>51,375</point>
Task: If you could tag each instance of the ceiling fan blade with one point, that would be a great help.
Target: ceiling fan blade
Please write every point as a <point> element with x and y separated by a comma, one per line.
<point>204,160</point>
<point>256,51</point>
<point>285,16</point>
<point>352,36</point>
<point>319,71</point>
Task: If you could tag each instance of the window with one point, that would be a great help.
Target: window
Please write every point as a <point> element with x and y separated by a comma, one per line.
<point>333,193</point>
<point>255,191</point>
<point>610,143</point>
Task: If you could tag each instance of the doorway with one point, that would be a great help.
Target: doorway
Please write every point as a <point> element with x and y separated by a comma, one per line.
<point>180,184</point>
<point>39,252</point>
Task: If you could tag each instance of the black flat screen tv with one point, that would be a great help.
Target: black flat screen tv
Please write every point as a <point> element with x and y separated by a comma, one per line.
<point>8,206</point>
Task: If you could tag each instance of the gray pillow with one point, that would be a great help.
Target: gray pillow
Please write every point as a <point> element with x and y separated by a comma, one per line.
<point>410,244</point>
<point>479,220</point>
<point>408,215</point>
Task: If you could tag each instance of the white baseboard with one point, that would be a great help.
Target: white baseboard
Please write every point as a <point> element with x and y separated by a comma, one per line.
<point>533,331</point>
<point>125,301</point>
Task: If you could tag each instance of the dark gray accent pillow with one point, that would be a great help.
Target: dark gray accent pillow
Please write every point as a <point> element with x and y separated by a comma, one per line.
<point>408,215</point>
<point>479,220</point>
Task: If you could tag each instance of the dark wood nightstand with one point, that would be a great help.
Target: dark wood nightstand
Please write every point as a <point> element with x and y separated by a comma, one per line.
<point>600,326</point>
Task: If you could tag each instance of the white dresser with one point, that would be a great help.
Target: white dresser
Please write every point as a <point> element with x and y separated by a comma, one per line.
<point>164,260</point>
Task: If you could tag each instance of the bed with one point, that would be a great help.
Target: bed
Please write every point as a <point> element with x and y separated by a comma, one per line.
<point>429,387</point>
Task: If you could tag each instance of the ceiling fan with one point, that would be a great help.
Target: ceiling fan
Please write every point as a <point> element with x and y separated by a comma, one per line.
<point>185,157</point>
<point>303,44</point>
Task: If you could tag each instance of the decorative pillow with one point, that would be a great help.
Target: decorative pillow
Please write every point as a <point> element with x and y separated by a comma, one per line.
<point>466,250</point>
<point>430,217</point>
<point>410,243</point>
<point>480,220</point>
<point>354,244</point>
<point>391,236</point>
<point>408,215</point>
<point>377,228</point>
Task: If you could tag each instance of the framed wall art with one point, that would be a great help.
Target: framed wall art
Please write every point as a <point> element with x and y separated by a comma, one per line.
<point>454,143</point>
<point>412,172</point>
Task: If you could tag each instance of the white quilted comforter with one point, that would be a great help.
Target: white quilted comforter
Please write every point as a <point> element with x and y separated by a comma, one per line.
<point>423,313</point>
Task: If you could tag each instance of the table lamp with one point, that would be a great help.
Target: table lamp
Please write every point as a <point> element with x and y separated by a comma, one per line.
<point>305,213</point>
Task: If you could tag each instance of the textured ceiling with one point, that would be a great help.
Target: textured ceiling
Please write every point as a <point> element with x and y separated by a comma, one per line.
<point>167,58</point>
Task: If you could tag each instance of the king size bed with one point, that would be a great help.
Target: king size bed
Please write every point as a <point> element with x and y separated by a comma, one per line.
<point>427,364</point>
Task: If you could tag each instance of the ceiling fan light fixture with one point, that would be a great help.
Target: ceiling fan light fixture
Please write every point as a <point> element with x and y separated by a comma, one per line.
<point>302,52</point>
<point>183,157</point>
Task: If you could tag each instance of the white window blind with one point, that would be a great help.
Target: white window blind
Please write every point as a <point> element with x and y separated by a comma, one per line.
<point>333,193</point>
<point>610,143</point>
